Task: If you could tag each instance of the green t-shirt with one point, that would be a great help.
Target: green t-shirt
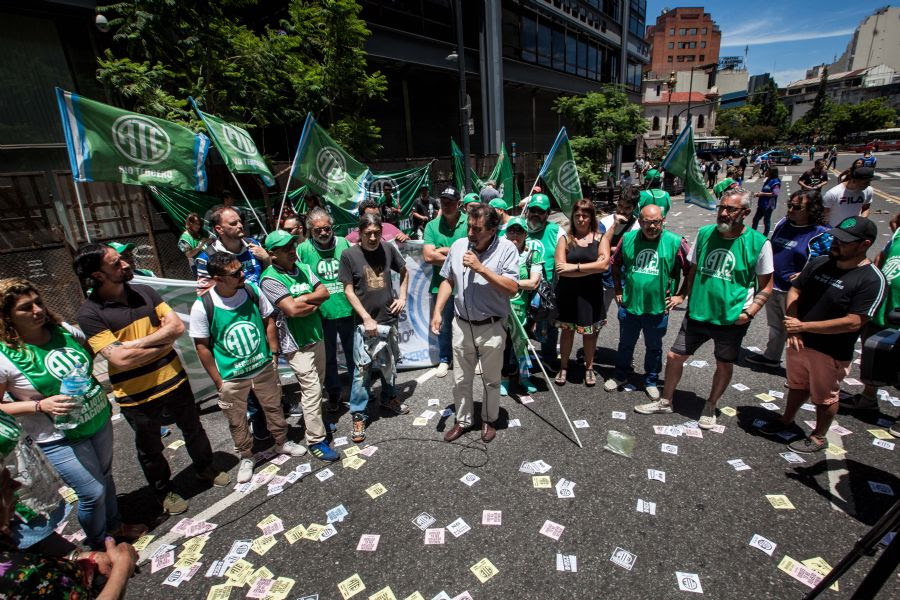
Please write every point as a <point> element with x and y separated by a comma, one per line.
<point>726,270</point>
<point>654,196</point>
<point>308,328</point>
<point>544,245</point>
<point>187,241</point>
<point>519,302</point>
<point>891,270</point>
<point>325,264</point>
<point>647,265</point>
<point>441,235</point>
<point>45,367</point>
<point>238,339</point>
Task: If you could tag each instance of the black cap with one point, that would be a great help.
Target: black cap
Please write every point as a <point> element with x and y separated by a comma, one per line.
<point>450,192</point>
<point>854,229</point>
<point>862,173</point>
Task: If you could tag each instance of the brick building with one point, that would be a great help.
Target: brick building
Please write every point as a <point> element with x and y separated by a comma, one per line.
<point>682,36</point>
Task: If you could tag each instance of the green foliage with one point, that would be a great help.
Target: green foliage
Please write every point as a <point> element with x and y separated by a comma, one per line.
<point>845,119</point>
<point>603,121</point>
<point>750,124</point>
<point>257,71</point>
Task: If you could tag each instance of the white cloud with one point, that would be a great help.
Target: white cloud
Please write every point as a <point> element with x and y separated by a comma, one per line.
<point>786,76</point>
<point>743,36</point>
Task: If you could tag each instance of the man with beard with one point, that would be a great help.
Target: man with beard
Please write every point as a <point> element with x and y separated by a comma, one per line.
<point>134,330</point>
<point>322,253</point>
<point>729,281</point>
<point>831,300</point>
<point>815,178</point>
<point>390,206</point>
<point>424,210</point>
<point>542,237</point>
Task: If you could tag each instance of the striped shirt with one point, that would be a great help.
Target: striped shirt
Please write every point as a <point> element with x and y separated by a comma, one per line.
<point>106,322</point>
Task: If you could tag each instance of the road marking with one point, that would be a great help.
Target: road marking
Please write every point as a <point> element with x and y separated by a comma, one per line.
<point>894,175</point>
<point>426,376</point>
<point>787,178</point>
<point>676,214</point>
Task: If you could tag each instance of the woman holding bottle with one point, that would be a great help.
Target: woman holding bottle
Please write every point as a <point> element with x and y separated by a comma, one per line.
<point>39,355</point>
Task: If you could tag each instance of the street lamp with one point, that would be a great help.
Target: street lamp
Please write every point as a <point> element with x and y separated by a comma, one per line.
<point>670,86</point>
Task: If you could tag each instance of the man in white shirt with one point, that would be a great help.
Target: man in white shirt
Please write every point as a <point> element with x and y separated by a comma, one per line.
<point>850,199</point>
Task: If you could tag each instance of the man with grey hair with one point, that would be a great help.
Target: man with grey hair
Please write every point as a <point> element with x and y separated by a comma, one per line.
<point>321,252</point>
<point>728,282</point>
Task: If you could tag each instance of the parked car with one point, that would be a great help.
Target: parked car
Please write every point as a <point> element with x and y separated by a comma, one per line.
<point>781,157</point>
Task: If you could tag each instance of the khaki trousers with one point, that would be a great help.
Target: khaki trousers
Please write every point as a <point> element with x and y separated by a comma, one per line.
<point>490,340</point>
<point>309,368</point>
<point>233,402</point>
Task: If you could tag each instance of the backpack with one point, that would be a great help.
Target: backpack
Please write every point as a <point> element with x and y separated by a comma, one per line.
<point>208,306</point>
<point>543,302</point>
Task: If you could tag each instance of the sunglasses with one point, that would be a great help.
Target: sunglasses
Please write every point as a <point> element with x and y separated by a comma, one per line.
<point>795,207</point>
<point>729,209</point>
<point>235,273</point>
<point>326,229</point>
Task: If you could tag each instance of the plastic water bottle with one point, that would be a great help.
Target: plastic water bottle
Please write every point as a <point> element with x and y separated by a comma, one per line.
<point>74,385</point>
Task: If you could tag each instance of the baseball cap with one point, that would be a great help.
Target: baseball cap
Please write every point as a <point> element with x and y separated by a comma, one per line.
<point>862,173</point>
<point>120,247</point>
<point>499,203</point>
<point>854,229</point>
<point>652,174</point>
<point>517,222</point>
<point>450,192</point>
<point>539,201</point>
<point>470,198</point>
<point>277,239</point>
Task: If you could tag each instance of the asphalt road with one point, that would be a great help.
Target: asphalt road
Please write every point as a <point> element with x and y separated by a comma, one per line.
<point>706,511</point>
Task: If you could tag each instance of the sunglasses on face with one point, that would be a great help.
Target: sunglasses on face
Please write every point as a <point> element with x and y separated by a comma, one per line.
<point>795,207</point>
<point>326,229</point>
<point>728,209</point>
<point>237,272</point>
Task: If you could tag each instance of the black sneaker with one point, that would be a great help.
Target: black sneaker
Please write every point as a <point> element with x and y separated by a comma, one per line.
<point>333,404</point>
<point>758,359</point>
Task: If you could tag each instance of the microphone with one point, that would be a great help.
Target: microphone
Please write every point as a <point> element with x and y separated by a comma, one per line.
<point>471,246</point>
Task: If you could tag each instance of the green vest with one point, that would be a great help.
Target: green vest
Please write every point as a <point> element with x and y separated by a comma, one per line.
<point>544,245</point>
<point>654,196</point>
<point>325,264</point>
<point>891,270</point>
<point>189,239</point>
<point>519,302</point>
<point>308,329</point>
<point>439,234</point>
<point>648,267</point>
<point>726,269</point>
<point>46,366</point>
<point>239,342</point>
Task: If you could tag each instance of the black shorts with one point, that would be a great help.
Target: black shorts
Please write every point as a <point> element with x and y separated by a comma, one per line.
<point>726,339</point>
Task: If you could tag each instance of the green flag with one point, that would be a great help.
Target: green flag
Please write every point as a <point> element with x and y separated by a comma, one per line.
<point>681,161</point>
<point>560,173</point>
<point>236,147</point>
<point>106,143</point>
<point>503,176</point>
<point>456,157</point>
<point>328,170</point>
<point>519,343</point>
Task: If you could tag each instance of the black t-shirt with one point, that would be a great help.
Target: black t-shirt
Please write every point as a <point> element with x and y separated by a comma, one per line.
<point>370,274</point>
<point>424,207</point>
<point>827,292</point>
<point>812,179</point>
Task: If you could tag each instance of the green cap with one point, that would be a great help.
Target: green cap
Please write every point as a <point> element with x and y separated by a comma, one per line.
<point>499,203</point>
<point>277,239</point>
<point>517,222</point>
<point>470,198</point>
<point>652,174</point>
<point>539,201</point>
<point>120,247</point>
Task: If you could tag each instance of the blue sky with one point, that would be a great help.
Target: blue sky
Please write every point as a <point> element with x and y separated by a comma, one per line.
<point>785,38</point>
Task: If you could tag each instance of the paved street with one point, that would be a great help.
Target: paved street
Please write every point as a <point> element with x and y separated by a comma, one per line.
<point>706,511</point>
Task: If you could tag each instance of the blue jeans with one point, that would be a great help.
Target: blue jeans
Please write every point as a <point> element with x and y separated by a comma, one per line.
<point>630,328</point>
<point>359,388</point>
<point>445,336</point>
<point>332,329</point>
<point>86,467</point>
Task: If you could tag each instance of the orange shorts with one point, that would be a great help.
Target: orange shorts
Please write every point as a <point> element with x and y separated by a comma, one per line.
<point>809,369</point>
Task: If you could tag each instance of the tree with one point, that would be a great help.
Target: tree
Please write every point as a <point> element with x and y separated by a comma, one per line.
<point>263,72</point>
<point>865,116</point>
<point>748,124</point>
<point>603,120</point>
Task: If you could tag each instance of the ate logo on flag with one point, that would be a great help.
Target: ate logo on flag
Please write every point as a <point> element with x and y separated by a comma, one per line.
<point>376,188</point>
<point>141,140</point>
<point>238,141</point>
<point>567,177</point>
<point>330,165</point>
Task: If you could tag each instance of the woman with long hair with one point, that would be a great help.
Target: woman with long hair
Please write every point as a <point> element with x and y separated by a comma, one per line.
<point>193,239</point>
<point>845,174</point>
<point>767,199</point>
<point>582,256</point>
<point>37,351</point>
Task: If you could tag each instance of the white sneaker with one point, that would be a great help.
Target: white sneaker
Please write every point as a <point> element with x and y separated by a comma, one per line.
<point>442,370</point>
<point>652,392</point>
<point>291,448</point>
<point>653,408</point>
<point>478,368</point>
<point>245,470</point>
<point>611,385</point>
<point>707,422</point>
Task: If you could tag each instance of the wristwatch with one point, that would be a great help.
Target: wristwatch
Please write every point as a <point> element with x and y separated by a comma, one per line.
<point>749,316</point>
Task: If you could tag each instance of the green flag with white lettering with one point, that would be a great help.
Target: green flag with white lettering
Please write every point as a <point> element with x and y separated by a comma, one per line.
<point>681,161</point>
<point>236,147</point>
<point>106,143</point>
<point>560,173</point>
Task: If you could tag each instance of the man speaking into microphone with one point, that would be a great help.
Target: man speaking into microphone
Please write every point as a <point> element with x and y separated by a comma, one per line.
<point>483,270</point>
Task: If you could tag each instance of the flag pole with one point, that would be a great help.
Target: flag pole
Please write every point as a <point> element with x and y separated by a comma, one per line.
<point>87,236</point>
<point>287,186</point>
<point>247,200</point>
<point>301,146</point>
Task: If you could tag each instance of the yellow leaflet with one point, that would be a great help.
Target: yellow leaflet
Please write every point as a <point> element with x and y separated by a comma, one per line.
<point>727,410</point>
<point>541,481</point>
<point>219,592</point>
<point>351,586</point>
<point>143,541</point>
<point>376,490</point>
<point>263,544</point>
<point>383,594</point>
<point>270,469</point>
<point>295,533</point>
<point>484,570</point>
<point>260,573</point>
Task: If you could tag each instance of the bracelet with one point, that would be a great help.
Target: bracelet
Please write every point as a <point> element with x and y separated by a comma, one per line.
<point>578,267</point>
<point>749,316</point>
<point>37,406</point>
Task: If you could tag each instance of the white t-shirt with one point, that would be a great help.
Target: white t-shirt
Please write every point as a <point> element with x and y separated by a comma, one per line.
<point>765,265</point>
<point>37,425</point>
<point>844,203</point>
<point>199,322</point>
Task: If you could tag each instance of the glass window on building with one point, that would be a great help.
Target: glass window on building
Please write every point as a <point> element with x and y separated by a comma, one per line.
<point>668,59</point>
<point>702,57</point>
<point>543,45</point>
<point>671,45</point>
<point>701,121</point>
<point>633,76</point>
<point>675,123</point>
<point>672,31</point>
<point>703,31</point>
<point>582,58</point>
<point>693,31</point>
<point>689,58</point>
<point>703,44</point>
<point>592,62</point>
<point>529,39</point>
<point>656,123</point>
<point>559,50</point>
<point>682,31</point>
<point>681,58</point>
